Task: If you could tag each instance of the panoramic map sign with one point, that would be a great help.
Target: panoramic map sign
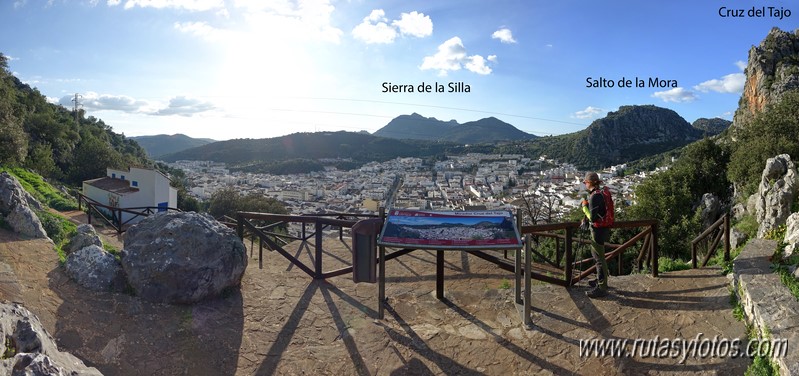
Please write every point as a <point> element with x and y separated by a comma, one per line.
<point>450,230</point>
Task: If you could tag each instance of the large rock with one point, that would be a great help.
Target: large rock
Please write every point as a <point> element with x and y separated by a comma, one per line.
<point>182,257</point>
<point>710,209</point>
<point>85,236</point>
<point>737,238</point>
<point>791,234</point>
<point>15,208</point>
<point>770,74</point>
<point>95,269</point>
<point>776,193</point>
<point>28,349</point>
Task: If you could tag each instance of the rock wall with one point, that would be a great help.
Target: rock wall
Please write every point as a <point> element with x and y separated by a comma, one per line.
<point>772,70</point>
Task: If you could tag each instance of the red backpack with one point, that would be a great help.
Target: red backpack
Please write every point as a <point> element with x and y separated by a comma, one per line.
<point>607,220</point>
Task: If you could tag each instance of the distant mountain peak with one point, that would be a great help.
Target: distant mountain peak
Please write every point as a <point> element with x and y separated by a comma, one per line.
<point>418,127</point>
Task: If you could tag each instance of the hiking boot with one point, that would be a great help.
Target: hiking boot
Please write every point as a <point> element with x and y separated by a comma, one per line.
<point>594,283</point>
<point>596,292</point>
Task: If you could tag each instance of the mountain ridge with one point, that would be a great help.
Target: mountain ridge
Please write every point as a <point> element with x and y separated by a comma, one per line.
<point>418,127</point>
<point>162,144</point>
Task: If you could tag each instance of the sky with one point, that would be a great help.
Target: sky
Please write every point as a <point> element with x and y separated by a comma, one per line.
<point>225,69</point>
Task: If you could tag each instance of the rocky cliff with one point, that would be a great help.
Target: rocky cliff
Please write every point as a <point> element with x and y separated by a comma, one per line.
<point>772,71</point>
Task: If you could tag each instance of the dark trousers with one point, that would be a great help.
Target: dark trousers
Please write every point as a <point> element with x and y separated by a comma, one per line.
<point>598,238</point>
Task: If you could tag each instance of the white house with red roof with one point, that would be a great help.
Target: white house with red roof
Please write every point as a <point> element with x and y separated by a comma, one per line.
<point>135,188</point>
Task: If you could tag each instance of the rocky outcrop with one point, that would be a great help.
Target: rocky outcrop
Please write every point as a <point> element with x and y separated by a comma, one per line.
<point>182,258</point>
<point>771,71</point>
<point>85,236</point>
<point>710,208</point>
<point>95,269</point>
<point>27,349</point>
<point>791,235</point>
<point>776,192</point>
<point>15,208</point>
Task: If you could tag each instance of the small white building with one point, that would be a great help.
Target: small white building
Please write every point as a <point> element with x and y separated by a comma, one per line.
<point>136,188</point>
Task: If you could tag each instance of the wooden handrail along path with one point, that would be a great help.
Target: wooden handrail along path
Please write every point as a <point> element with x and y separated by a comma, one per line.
<point>718,230</point>
<point>566,232</point>
<point>94,207</point>
<point>275,241</point>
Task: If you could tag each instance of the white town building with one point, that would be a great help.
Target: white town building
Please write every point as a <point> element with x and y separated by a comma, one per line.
<point>136,188</point>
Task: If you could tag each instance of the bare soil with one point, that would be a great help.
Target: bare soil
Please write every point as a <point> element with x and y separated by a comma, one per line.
<point>283,322</point>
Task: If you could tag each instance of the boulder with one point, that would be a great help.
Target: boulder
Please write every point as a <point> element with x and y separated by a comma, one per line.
<point>182,257</point>
<point>15,208</point>
<point>791,234</point>
<point>776,193</point>
<point>738,211</point>
<point>710,209</point>
<point>737,238</point>
<point>85,236</point>
<point>28,349</point>
<point>24,221</point>
<point>95,269</point>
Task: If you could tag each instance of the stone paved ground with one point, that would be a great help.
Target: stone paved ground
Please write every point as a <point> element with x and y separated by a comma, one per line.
<point>282,322</point>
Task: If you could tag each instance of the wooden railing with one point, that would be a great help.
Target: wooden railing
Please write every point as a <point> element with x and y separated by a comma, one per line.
<point>718,230</point>
<point>94,208</point>
<point>648,253</point>
<point>272,239</point>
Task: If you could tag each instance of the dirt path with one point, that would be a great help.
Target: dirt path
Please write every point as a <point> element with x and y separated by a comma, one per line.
<point>283,322</point>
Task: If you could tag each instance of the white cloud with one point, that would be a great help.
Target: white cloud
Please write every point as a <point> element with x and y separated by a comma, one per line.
<point>199,29</point>
<point>589,112</point>
<point>185,106</point>
<point>451,56</point>
<point>504,35</point>
<point>20,3</point>
<point>191,5</point>
<point>292,20</point>
<point>731,83</point>
<point>477,65</point>
<point>740,64</point>
<point>98,102</point>
<point>374,29</point>
<point>414,24</point>
<point>180,105</point>
<point>112,3</point>
<point>492,58</point>
<point>677,95</point>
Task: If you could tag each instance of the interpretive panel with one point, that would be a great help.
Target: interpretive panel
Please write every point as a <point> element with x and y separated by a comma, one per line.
<point>450,230</point>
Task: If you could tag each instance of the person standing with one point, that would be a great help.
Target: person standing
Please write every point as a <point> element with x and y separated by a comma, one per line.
<point>595,211</point>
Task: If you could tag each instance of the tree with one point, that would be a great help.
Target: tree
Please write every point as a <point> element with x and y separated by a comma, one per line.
<point>771,133</point>
<point>92,157</point>
<point>228,201</point>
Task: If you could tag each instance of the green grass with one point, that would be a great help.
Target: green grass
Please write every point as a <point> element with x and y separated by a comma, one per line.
<point>41,190</point>
<point>748,225</point>
<point>666,264</point>
<point>505,284</point>
<point>58,229</point>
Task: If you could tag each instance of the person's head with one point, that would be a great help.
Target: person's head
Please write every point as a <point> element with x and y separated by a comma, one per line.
<point>591,180</point>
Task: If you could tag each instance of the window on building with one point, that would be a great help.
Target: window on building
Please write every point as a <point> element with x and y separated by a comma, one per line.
<point>113,176</point>
<point>134,183</point>
<point>122,177</point>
